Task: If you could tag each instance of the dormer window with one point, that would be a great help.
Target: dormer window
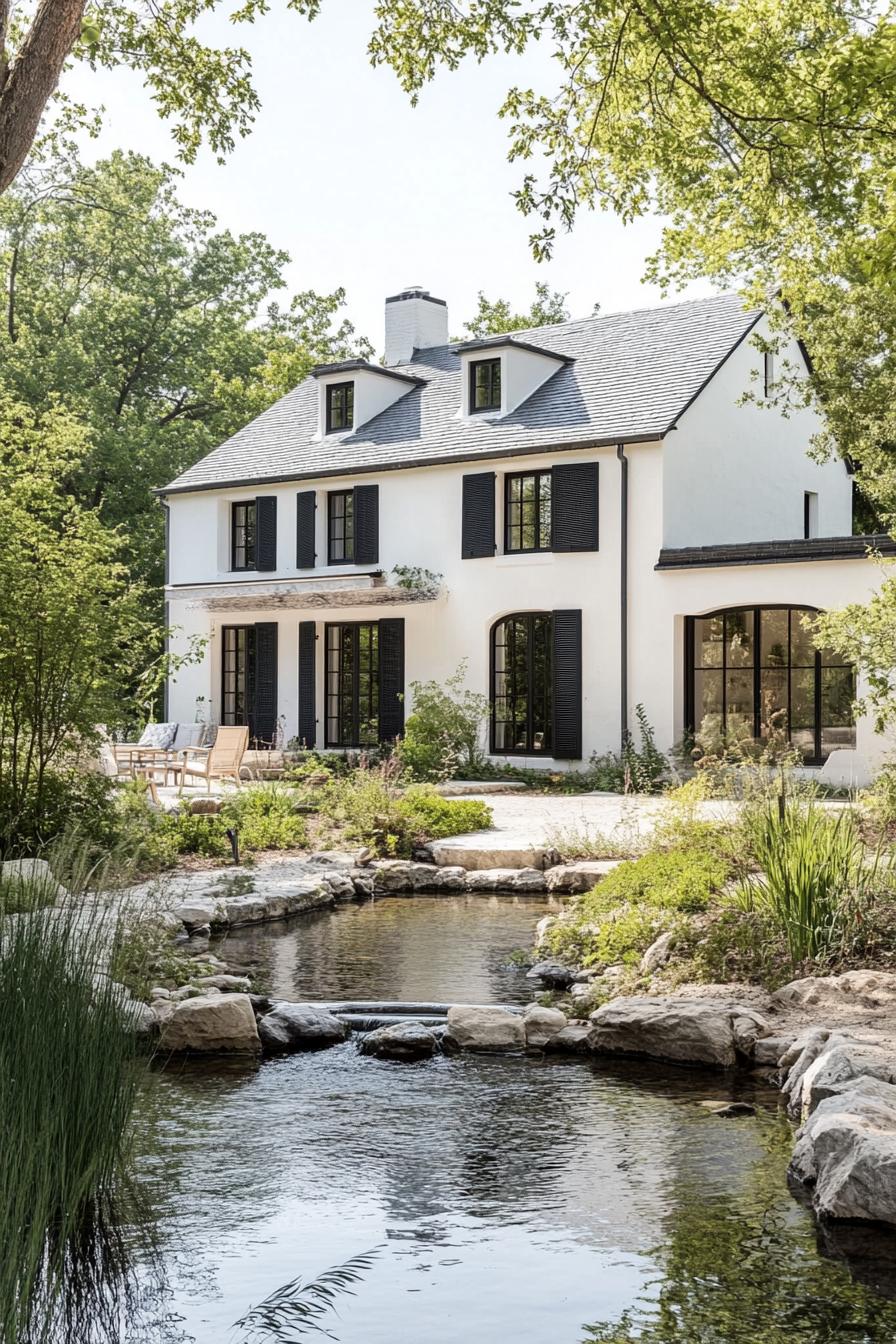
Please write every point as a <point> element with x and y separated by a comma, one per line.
<point>485,385</point>
<point>340,406</point>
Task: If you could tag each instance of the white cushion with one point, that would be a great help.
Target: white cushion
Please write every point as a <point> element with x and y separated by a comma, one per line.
<point>159,735</point>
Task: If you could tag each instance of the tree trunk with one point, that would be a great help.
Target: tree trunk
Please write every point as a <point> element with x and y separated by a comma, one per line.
<point>31,78</point>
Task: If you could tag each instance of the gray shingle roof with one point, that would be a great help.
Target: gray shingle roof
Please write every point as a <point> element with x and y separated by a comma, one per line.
<point>633,376</point>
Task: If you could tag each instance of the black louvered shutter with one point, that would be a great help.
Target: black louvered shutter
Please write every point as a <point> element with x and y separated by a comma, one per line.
<point>305,510</point>
<point>574,507</point>
<point>266,532</point>
<point>567,691</point>
<point>391,644</point>
<point>367,524</point>
<point>478,525</point>
<point>307,703</point>
<point>263,717</point>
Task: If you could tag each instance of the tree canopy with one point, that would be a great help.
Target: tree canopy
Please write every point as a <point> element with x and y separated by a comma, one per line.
<point>495,316</point>
<point>153,327</point>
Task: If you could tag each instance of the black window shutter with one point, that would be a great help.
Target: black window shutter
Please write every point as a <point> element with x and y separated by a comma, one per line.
<point>307,707</point>
<point>367,524</point>
<point>391,646</point>
<point>263,718</point>
<point>266,532</point>
<point>478,525</point>
<point>567,691</point>
<point>306,555</point>
<point>574,507</point>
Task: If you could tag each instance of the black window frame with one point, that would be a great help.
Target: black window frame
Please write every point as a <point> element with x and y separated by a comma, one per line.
<point>540,478</point>
<point>248,547</point>
<point>530,621</point>
<point>493,385</point>
<point>818,667</point>
<point>237,641</point>
<point>347,411</point>
<point>344,688</point>
<point>347,538</point>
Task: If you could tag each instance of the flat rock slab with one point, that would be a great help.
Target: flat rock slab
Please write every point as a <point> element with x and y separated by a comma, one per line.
<point>483,849</point>
<point>291,1027</point>
<point>684,1031</point>
<point>854,989</point>
<point>574,879</point>
<point>213,1024</point>
<point>484,1029</point>
<point>404,1042</point>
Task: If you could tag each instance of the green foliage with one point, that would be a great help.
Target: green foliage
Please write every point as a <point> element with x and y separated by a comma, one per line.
<point>297,1307</point>
<point>265,817</point>
<point>816,877</point>
<point>368,806</point>
<point>629,908</point>
<point>495,317</point>
<point>71,625</point>
<point>141,315</point>
<point>865,635</point>
<point>68,1055</point>
<point>443,737</point>
<point>146,955</point>
<point>589,842</point>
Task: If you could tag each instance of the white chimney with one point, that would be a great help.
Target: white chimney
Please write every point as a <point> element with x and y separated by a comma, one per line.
<point>414,321</point>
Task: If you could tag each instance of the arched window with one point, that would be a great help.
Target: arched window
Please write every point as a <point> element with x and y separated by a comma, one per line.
<point>755,671</point>
<point>521,689</point>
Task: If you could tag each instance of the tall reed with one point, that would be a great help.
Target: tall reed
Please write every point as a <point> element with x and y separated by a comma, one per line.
<point>816,875</point>
<point>68,1078</point>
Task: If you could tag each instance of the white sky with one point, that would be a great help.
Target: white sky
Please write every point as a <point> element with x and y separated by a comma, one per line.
<point>366,192</point>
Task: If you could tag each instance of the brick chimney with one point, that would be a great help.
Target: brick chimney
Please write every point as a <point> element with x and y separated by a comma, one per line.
<point>414,321</point>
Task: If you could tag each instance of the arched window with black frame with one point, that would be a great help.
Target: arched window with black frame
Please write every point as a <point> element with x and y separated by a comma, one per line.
<point>756,672</point>
<point>522,684</point>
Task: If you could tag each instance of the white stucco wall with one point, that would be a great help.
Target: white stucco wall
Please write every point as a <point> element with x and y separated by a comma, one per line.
<point>735,472</point>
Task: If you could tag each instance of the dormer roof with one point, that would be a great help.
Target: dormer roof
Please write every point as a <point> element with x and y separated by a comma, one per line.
<point>502,342</point>
<point>364,366</point>
<point>620,378</point>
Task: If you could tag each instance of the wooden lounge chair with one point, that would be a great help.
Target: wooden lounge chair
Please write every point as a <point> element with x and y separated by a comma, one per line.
<point>221,761</point>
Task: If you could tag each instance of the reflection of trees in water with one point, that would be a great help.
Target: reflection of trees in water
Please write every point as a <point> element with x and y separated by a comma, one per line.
<point>742,1268</point>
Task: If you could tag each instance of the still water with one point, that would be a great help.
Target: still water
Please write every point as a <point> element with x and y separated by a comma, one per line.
<point>537,1201</point>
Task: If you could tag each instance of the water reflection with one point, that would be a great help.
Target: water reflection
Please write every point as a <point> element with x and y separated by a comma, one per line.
<point>437,948</point>
<point>515,1199</point>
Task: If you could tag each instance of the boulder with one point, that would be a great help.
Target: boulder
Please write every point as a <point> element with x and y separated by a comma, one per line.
<point>544,925</point>
<point>505,879</point>
<point>404,1041</point>
<point>35,873</point>
<point>846,1152</point>
<point>841,1060</point>
<point>553,974</point>
<point>658,953</point>
<point>472,1028</point>
<point>403,875</point>
<point>217,1024</point>
<point>198,912</point>
<point>289,1027</point>
<point>572,879</point>
<point>572,1040</point>
<point>235,984</point>
<point>686,1031</point>
<point>541,1024</point>
<point>768,1050</point>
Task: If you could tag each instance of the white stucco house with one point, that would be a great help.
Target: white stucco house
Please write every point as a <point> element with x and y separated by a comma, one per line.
<point>611,525</point>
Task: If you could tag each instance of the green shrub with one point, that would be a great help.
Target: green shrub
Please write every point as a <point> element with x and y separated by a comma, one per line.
<point>443,737</point>
<point>370,808</point>
<point>69,801</point>
<point>265,817</point>
<point>816,877</point>
<point>628,909</point>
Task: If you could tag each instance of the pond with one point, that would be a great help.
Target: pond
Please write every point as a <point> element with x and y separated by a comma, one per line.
<point>533,1200</point>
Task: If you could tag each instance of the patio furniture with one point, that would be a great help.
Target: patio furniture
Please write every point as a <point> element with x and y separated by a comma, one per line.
<point>160,748</point>
<point>220,761</point>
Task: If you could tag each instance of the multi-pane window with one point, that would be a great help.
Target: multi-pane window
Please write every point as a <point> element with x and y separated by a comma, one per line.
<point>242,536</point>
<point>237,669</point>
<point>340,403</point>
<point>340,527</point>
<point>352,684</point>
<point>485,385</point>
<point>527,512</point>
<point>755,672</point>
<point>522,683</point>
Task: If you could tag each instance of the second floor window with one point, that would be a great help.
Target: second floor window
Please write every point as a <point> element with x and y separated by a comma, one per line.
<point>340,406</point>
<point>527,512</point>
<point>340,527</point>
<point>485,385</point>
<point>242,536</point>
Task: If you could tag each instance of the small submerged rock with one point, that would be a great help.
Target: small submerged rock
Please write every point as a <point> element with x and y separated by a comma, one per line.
<point>403,1041</point>
<point>729,1110</point>
<point>290,1027</point>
